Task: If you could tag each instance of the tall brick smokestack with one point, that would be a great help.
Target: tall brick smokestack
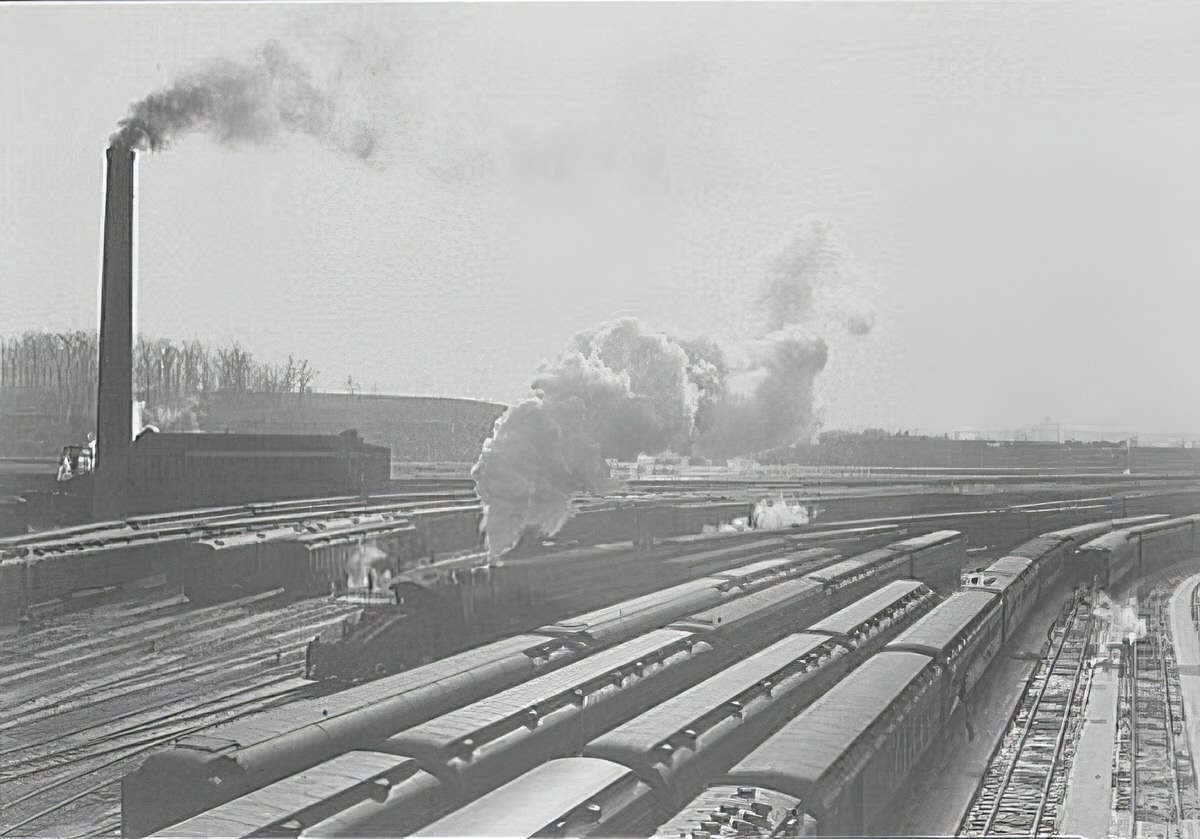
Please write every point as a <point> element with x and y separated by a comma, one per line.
<point>114,426</point>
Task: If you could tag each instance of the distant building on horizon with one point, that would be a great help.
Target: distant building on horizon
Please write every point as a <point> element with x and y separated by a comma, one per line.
<point>1052,432</point>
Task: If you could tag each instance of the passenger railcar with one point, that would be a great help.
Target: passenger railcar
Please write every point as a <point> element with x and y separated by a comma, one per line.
<point>843,758</point>
<point>1014,579</point>
<point>202,771</point>
<point>962,636</point>
<point>679,744</point>
<point>576,797</point>
<point>477,748</point>
<point>290,806</point>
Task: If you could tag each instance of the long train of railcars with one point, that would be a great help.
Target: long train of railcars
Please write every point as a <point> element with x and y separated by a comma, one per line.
<point>222,569</point>
<point>520,593</point>
<point>472,605</point>
<point>199,773</point>
<point>441,616</point>
<point>833,769</point>
<point>570,707</point>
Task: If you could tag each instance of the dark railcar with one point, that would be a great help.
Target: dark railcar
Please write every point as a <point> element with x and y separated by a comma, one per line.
<point>962,635</point>
<point>203,771</point>
<point>845,756</point>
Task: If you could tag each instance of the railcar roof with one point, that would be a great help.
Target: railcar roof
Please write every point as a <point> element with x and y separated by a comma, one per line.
<point>710,802</point>
<point>1010,566</point>
<point>779,596</point>
<point>284,799</point>
<point>740,546</point>
<point>1107,542</point>
<point>877,602</point>
<point>1168,524</point>
<point>658,724</point>
<point>637,605</point>
<point>465,722</point>
<point>800,754</point>
<point>265,726</point>
<point>838,570</point>
<point>240,540</point>
<point>939,629</point>
<point>765,567</point>
<point>528,804</point>
<point>1080,531</point>
<point>925,541</point>
<point>1037,547</point>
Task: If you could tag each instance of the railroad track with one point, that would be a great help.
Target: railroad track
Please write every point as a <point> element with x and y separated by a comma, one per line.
<point>1154,782</point>
<point>127,685</point>
<point>1024,786</point>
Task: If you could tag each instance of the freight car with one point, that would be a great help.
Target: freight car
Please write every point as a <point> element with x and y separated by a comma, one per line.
<point>311,558</point>
<point>250,754</point>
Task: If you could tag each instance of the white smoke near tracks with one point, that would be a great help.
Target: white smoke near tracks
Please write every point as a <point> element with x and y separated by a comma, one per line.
<point>621,389</point>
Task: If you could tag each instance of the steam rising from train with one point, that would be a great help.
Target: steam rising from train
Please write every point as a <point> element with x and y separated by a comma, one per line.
<point>621,389</point>
<point>254,101</point>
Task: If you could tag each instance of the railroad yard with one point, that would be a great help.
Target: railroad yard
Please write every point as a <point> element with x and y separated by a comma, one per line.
<point>101,687</point>
<point>773,546</point>
<point>91,693</point>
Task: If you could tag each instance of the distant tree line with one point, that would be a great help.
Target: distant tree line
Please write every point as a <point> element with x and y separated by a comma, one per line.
<point>64,368</point>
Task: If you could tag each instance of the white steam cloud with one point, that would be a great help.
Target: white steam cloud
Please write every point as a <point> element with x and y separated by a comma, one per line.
<point>621,389</point>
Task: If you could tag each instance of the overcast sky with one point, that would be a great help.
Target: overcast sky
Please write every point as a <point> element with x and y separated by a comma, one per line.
<point>1020,185</point>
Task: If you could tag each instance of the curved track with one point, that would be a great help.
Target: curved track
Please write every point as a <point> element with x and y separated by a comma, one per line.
<point>1023,789</point>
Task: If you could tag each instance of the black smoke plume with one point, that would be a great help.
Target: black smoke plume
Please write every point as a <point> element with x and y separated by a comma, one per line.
<point>255,101</point>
